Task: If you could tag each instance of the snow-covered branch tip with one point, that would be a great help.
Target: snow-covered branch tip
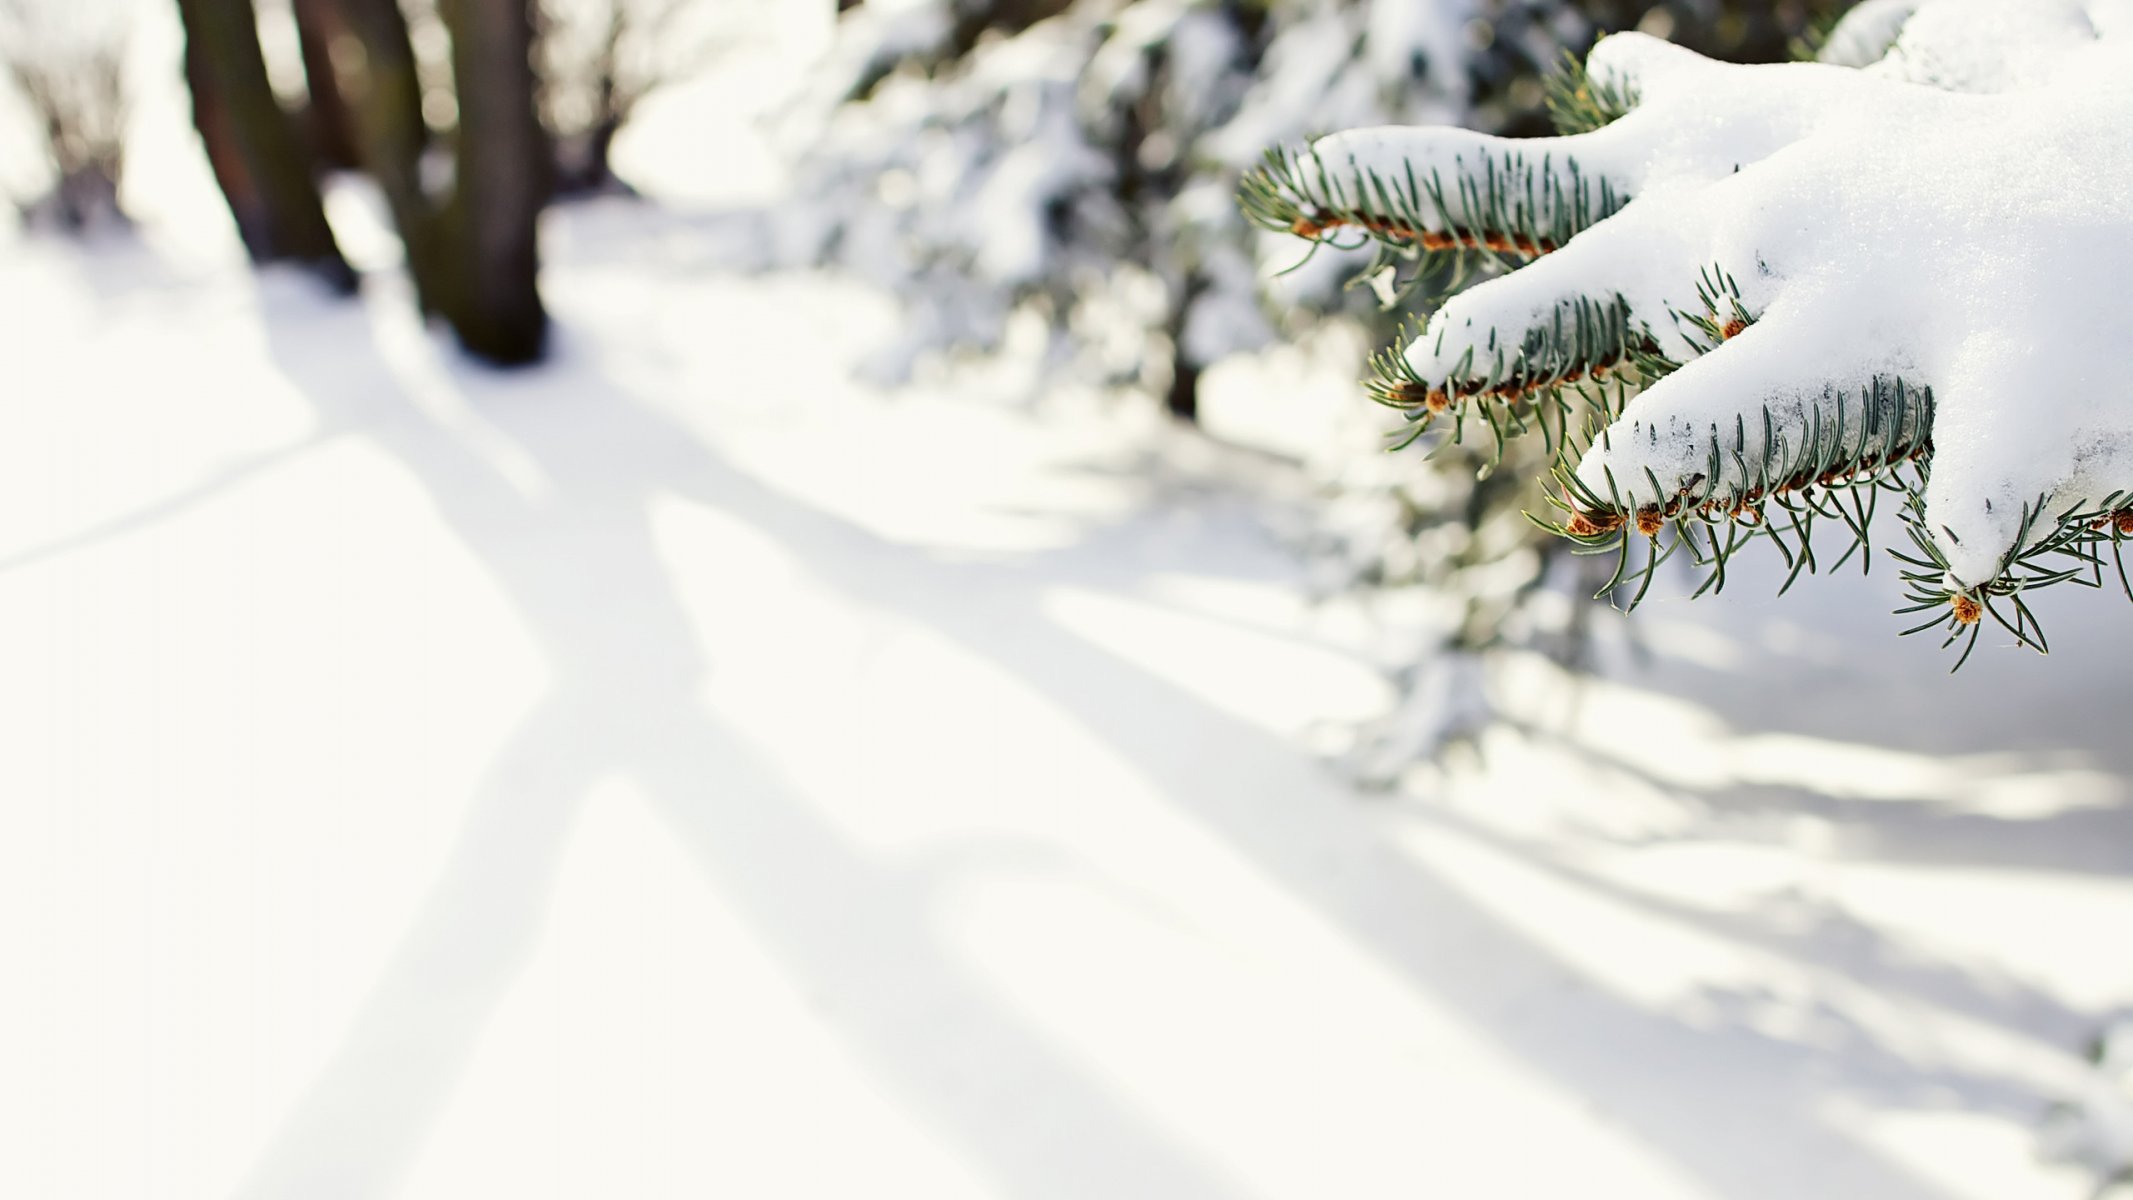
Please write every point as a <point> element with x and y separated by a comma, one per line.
<point>1758,481</point>
<point>1579,103</point>
<point>1493,204</point>
<point>1513,386</point>
<point>1809,302</point>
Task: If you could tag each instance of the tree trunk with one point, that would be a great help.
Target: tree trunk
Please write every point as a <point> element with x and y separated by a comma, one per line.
<point>1183,400</point>
<point>258,158</point>
<point>473,258</point>
<point>328,119</point>
<point>247,206</point>
<point>494,298</point>
<point>1183,397</point>
<point>384,95</point>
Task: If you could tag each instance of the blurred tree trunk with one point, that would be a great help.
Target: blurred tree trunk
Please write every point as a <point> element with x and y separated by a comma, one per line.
<point>473,256</point>
<point>1183,397</point>
<point>327,119</point>
<point>258,157</point>
<point>502,184</point>
<point>384,97</point>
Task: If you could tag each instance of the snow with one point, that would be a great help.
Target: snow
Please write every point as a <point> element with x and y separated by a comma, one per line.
<point>686,771</point>
<point>992,181</point>
<point>1877,221</point>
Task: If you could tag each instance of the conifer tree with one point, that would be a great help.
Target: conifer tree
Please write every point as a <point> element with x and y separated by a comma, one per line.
<point>1078,162</point>
<point>1449,527</point>
<point>1746,305</point>
<point>1046,159</point>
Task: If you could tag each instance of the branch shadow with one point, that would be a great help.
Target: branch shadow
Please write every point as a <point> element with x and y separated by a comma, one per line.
<point>625,670</point>
<point>365,1116</point>
<point>1830,938</point>
<point>224,481</point>
<point>2075,770</point>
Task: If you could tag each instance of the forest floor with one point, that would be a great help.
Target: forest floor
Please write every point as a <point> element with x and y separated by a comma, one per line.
<point>679,771</point>
<point>683,771</point>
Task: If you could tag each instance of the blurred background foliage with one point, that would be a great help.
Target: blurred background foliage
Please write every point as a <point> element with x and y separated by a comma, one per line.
<point>1070,165</point>
<point>1050,173</point>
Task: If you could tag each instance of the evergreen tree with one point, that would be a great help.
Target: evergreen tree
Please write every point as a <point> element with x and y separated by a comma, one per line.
<point>1077,163</point>
<point>1042,158</point>
<point>1721,313</point>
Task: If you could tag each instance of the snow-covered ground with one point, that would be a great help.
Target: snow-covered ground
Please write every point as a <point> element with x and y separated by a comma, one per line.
<point>682,772</point>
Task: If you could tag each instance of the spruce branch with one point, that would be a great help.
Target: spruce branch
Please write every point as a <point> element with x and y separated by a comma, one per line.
<point>1482,203</point>
<point>1774,479</point>
<point>1578,103</point>
<point>1513,384</point>
<point>1694,408</point>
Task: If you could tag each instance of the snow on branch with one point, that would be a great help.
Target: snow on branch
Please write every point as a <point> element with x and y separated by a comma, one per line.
<point>1748,301</point>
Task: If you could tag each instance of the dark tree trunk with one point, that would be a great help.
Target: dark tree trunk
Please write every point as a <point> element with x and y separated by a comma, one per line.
<point>474,258</point>
<point>258,156</point>
<point>384,96</point>
<point>1183,398</point>
<point>328,119</point>
<point>502,183</point>
<point>247,206</point>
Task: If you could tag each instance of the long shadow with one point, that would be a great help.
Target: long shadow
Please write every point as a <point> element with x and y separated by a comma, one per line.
<point>1841,669</point>
<point>2095,839</point>
<point>2089,838</point>
<point>1831,938</point>
<point>177,504</point>
<point>1247,789</point>
<point>592,591</point>
<point>1230,778</point>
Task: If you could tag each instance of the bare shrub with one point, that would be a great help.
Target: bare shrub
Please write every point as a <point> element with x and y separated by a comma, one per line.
<point>66,61</point>
<point>599,59</point>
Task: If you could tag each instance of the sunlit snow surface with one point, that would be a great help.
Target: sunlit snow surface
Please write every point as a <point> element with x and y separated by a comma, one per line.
<point>681,772</point>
